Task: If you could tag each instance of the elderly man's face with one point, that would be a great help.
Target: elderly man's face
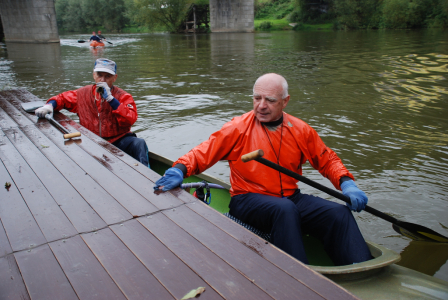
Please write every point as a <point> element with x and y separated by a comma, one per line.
<point>268,101</point>
<point>104,77</point>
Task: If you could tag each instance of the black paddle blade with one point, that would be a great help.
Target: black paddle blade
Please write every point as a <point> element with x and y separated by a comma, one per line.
<point>418,232</point>
<point>81,41</point>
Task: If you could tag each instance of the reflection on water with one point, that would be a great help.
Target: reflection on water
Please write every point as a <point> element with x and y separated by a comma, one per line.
<point>425,257</point>
<point>37,66</point>
<point>378,98</point>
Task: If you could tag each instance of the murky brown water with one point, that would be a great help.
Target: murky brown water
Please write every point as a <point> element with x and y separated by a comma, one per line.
<point>378,98</point>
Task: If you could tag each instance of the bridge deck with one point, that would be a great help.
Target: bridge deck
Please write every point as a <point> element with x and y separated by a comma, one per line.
<point>80,221</point>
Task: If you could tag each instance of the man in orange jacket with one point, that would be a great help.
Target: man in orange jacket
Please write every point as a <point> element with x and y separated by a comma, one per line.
<point>104,109</point>
<point>268,200</point>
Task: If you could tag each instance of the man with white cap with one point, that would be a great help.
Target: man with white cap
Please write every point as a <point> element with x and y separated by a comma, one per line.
<point>112,120</point>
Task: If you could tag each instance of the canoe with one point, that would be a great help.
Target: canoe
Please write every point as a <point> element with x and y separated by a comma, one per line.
<point>96,44</point>
<point>379,278</point>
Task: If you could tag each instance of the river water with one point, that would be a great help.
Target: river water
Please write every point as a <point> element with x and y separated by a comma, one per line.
<point>378,98</point>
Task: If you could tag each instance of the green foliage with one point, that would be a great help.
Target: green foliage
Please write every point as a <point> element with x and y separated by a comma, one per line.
<point>265,25</point>
<point>153,13</point>
<point>80,15</point>
<point>276,9</point>
<point>313,11</point>
<point>353,14</point>
<point>440,16</point>
<point>416,13</point>
<point>295,16</point>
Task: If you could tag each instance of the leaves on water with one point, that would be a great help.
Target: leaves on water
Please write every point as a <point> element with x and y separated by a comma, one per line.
<point>194,293</point>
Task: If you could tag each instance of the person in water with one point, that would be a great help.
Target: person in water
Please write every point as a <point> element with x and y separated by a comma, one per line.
<point>94,37</point>
<point>268,200</point>
<point>104,109</point>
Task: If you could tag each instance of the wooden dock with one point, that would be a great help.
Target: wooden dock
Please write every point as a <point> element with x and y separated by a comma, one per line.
<point>80,220</point>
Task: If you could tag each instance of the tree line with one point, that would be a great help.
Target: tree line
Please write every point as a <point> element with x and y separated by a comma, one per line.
<point>115,15</point>
<point>374,14</point>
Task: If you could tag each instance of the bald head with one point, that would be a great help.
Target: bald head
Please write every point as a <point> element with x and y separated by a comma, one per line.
<point>270,97</point>
<point>275,79</point>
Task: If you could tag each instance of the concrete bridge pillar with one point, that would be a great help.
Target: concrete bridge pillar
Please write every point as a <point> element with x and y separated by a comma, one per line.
<point>29,21</point>
<point>232,15</point>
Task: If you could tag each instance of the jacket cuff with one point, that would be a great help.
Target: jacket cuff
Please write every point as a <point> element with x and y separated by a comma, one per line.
<point>114,103</point>
<point>181,167</point>
<point>344,178</point>
<point>53,102</point>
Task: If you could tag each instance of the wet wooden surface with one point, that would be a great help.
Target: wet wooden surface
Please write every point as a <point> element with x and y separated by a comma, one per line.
<point>80,221</point>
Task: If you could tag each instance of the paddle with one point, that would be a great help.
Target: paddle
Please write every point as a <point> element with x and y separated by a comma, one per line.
<point>33,105</point>
<point>82,41</point>
<point>413,231</point>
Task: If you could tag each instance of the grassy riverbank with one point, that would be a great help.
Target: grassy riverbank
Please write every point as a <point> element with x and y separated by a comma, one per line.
<point>284,24</point>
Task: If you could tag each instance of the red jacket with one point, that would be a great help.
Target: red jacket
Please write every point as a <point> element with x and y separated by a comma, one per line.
<point>97,115</point>
<point>244,134</point>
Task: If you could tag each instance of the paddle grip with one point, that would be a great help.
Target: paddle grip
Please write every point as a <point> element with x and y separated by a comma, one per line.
<point>252,155</point>
<point>100,90</point>
<point>72,135</point>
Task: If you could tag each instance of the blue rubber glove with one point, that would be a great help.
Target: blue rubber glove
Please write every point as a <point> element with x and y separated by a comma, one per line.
<point>173,178</point>
<point>106,91</point>
<point>358,197</point>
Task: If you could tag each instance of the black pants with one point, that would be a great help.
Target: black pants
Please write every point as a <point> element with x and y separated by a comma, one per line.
<point>288,218</point>
<point>134,146</point>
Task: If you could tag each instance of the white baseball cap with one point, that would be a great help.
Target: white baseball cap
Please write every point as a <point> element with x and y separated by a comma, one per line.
<point>105,65</point>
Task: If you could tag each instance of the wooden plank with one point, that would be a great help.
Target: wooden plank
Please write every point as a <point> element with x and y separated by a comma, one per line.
<point>77,210</point>
<point>130,161</point>
<point>51,219</point>
<point>287,263</point>
<point>225,280</point>
<point>127,173</point>
<point>20,225</point>
<point>11,282</point>
<point>5,246</point>
<point>86,275</point>
<point>99,199</point>
<point>165,266</point>
<point>43,276</point>
<point>14,113</point>
<point>5,121</point>
<point>101,168</point>
<point>131,276</point>
<point>242,258</point>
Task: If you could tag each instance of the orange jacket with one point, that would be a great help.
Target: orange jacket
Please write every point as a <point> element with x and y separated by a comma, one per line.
<point>244,134</point>
<point>97,115</point>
